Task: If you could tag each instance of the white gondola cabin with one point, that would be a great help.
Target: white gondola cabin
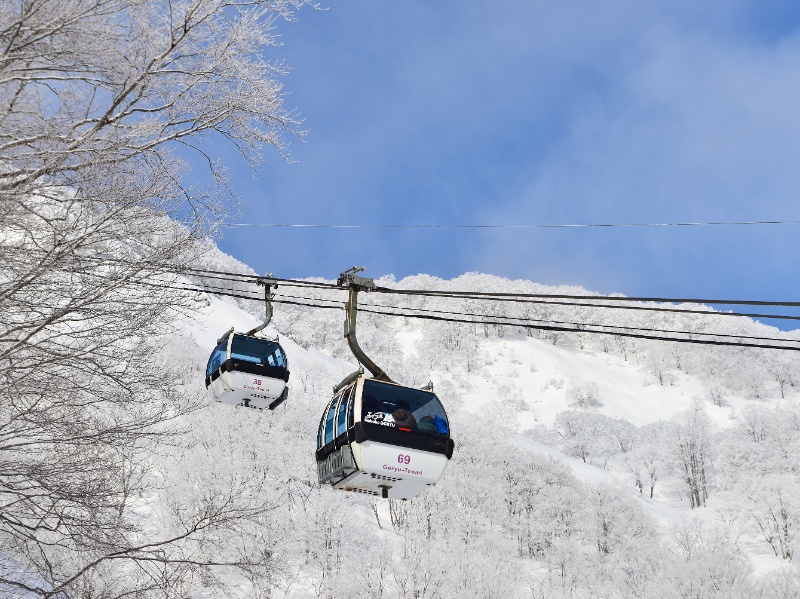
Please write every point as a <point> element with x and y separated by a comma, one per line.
<point>377,437</point>
<point>248,371</point>
<point>382,439</point>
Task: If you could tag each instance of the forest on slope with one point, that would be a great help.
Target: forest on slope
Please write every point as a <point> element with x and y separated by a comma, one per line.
<point>584,466</point>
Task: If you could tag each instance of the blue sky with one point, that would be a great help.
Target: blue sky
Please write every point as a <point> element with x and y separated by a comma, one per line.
<point>538,112</point>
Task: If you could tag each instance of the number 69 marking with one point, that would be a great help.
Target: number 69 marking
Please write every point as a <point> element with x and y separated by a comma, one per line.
<point>403,459</point>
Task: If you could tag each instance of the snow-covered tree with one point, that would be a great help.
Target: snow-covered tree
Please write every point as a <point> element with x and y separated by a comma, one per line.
<point>692,450</point>
<point>583,394</point>
<point>96,99</point>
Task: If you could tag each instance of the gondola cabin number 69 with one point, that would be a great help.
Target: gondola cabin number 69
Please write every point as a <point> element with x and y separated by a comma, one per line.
<point>377,437</point>
<point>365,425</point>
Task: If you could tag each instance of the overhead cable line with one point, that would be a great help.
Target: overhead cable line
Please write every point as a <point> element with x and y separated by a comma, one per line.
<point>709,312</point>
<point>541,327</point>
<point>501,296</point>
<point>591,331</point>
<point>498,296</point>
<point>579,325</point>
<point>666,300</point>
<point>508,226</point>
<point>207,273</point>
<point>541,299</point>
<point>605,306</point>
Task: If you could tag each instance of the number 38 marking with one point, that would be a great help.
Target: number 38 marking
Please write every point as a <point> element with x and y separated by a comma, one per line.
<point>403,459</point>
<point>257,382</point>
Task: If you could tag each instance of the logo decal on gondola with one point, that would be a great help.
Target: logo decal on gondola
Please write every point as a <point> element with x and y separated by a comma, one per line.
<point>381,418</point>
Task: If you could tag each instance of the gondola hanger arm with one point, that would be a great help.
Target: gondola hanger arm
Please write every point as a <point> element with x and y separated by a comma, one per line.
<point>268,283</point>
<point>356,283</point>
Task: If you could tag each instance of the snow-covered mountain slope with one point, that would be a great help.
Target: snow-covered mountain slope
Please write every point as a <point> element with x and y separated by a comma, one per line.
<point>561,441</point>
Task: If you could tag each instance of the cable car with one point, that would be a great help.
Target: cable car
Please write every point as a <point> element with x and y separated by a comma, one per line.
<point>377,437</point>
<point>382,439</point>
<point>246,370</point>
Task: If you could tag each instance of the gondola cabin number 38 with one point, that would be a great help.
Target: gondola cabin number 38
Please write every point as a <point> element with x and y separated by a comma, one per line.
<point>244,370</point>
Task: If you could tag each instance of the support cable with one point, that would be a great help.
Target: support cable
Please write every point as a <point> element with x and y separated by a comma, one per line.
<point>502,296</point>
<point>499,296</point>
<point>541,327</point>
<point>521,226</point>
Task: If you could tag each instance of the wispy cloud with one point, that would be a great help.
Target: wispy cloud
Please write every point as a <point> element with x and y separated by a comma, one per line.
<point>463,112</point>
